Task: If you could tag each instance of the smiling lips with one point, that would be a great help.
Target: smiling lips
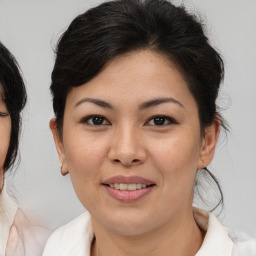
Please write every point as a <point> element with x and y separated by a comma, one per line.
<point>128,189</point>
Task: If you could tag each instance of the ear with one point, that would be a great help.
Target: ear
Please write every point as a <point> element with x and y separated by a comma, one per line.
<point>209,142</point>
<point>59,146</point>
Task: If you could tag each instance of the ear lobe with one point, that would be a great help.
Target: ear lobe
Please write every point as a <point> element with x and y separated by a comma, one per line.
<point>59,146</point>
<point>64,170</point>
<point>209,144</point>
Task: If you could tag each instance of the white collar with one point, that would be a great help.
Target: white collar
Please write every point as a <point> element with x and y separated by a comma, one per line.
<point>8,209</point>
<point>217,240</point>
<point>75,237</point>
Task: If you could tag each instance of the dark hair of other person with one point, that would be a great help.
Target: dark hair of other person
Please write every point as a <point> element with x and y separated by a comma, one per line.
<point>14,97</point>
<point>118,27</point>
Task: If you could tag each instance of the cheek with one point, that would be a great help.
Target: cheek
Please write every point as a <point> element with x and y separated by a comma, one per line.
<point>5,132</point>
<point>84,156</point>
<point>83,153</point>
<point>177,152</point>
<point>176,158</point>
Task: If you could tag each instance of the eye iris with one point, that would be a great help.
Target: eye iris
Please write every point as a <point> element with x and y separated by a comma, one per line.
<point>97,120</point>
<point>160,120</point>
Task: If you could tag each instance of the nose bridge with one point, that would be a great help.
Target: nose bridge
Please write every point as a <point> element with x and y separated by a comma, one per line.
<point>127,147</point>
<point>126,138</point>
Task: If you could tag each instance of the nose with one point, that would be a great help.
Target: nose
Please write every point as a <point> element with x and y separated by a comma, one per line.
<point>127,147</point>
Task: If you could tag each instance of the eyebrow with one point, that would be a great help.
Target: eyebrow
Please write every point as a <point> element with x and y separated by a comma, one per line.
<point>98,102</point>
<point>158,101</point>
<point>144,105</point>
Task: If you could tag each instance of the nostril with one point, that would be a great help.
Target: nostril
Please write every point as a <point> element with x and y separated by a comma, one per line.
<point>134,161</point>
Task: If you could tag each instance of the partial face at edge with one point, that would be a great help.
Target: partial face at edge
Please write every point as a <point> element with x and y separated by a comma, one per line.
<point>136,118</point>
<point>5,132</point>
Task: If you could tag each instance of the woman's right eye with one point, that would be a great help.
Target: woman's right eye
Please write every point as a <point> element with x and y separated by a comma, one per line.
<point>96,120</point>
<point>2,114</point>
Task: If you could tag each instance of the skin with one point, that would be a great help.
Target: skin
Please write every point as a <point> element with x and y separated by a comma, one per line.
<point>129,143</point>
<point>5,132</point>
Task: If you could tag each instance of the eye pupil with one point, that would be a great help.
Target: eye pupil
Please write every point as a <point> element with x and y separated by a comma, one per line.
<point>97,120</point>
<point>160,120</point>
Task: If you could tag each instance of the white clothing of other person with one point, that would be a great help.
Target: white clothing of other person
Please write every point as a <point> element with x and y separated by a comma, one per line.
<point>8,209</point>
<point>18,236</point>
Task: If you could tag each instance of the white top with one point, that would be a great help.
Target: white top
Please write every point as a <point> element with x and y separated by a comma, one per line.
<point>8,209</point>
<point>75,238</point>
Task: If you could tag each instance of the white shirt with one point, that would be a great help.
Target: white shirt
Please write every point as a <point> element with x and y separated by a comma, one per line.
<point>74,238</point>
<point>8,209</point>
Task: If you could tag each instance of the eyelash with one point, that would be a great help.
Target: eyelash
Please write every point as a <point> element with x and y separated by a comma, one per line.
<point>170,120</point>
<point>2,114</point>
<point>89,120</point>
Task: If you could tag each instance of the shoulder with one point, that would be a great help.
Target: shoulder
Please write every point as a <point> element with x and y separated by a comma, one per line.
<point>243,245</point>
<point>221,241</point>
<point>71,238</point>
<point>8,209</point>
<point>76,226</point>
<point>26,236</point>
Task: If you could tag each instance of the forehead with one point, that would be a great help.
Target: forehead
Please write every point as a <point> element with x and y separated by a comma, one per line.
<point>138,75</point>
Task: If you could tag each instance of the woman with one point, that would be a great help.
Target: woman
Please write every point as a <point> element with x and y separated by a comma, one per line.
<point>18,236</point>
<point>12,101</point>
<point>134,90</point>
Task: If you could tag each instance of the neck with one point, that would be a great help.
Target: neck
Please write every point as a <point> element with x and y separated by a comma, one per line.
<point>181,237</point>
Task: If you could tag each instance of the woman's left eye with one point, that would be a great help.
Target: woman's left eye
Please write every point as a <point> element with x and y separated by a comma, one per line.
<point>95,120</point>
<point>161,121</point>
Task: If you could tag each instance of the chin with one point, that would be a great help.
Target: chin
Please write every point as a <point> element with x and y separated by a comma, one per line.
<point>129,224</point>
<point>130,229</point>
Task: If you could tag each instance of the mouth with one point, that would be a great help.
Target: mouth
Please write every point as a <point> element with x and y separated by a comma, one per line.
<point>128,189</point>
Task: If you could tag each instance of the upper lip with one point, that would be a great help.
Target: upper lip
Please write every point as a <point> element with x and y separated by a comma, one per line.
<point>127,180</point>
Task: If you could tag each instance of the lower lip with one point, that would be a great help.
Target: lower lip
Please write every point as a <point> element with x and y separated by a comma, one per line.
<point>128,196</point>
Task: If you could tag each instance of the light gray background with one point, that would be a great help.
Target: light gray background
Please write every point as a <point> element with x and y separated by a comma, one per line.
<point>30,29</point>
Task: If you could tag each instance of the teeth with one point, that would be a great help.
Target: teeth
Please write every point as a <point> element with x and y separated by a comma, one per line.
<point>138,186</point>
<point>130,187</point>
<point>116,186</point>
<point>123,186</point>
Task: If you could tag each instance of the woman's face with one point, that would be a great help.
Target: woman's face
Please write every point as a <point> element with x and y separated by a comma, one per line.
<point>132,144</point>
<point>5,132</point>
